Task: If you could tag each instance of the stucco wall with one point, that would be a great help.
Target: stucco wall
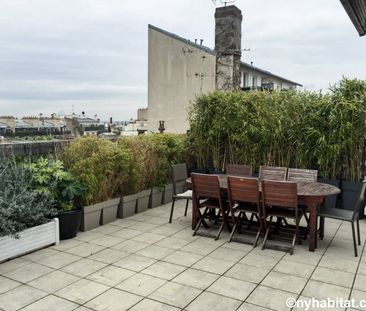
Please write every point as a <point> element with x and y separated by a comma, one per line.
<point>177,72</point>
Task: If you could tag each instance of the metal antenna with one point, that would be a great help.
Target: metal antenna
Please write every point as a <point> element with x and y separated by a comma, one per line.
<point>215,2</point>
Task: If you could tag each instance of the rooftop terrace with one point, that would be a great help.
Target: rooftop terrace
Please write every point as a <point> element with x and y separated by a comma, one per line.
<point>145,263</point>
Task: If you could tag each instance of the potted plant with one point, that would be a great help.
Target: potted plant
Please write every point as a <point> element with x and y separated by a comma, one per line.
<point>26,222</point>
<point>132,192</point>
<point>97,166</point>
<point>349,100</point>
<point>169,150</point>
<point>50,176</point>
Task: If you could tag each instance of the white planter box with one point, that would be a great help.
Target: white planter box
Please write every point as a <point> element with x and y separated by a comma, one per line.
<point>30,240</point>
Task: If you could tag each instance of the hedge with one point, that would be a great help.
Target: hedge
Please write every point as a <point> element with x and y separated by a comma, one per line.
<point>283,128</point>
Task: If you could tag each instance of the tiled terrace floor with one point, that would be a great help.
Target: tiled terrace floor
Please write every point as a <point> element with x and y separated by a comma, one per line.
<point>145,263</point>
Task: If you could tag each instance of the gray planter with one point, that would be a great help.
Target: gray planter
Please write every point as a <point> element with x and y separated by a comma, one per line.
<point>91,215</point>
<point>109,212</point>
<point>168,193</point>
<point>352,191</point>
<point>156,197</point>
<point>143,200</point>
<point>127,207</point>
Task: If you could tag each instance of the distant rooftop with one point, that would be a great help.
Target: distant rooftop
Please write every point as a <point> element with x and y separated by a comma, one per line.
<point>213,52</point>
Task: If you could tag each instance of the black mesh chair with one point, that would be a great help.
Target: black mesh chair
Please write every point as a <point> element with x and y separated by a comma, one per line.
<point>351,216</point>
<point>180,192</point>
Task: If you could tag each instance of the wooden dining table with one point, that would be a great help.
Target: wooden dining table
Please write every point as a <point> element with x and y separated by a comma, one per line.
<point>311,194</point>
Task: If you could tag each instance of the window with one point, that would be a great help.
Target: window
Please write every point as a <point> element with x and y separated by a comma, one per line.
<point>254,81</point>
<point>245,79</point>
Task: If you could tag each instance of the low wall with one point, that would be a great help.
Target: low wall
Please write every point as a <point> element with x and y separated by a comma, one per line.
<point>32,148</point>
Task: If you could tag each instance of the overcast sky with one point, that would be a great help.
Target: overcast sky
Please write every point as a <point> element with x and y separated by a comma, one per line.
<point>91,55</point>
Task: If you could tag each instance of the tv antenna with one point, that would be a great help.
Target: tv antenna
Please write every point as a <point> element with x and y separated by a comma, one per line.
<point>217,2</point>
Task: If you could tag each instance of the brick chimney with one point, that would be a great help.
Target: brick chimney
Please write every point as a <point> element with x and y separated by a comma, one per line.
<point>228,47</point>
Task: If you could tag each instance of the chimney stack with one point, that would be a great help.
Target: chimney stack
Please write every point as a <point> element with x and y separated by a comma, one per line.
<point>228,47</point>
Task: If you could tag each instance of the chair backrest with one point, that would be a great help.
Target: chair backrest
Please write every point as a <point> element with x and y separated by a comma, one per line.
<point>179,174</point>
<point>238,170</point>
<point>243,189</point>
<point>299,174</point>
<point>279,193</point>
<point>272,173</point>
<point>360,199</point>
<point>206,186</point>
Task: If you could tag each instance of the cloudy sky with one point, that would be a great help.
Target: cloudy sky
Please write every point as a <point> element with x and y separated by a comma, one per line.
<point>91,55</point>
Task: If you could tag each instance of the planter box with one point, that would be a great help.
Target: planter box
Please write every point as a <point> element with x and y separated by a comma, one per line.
<point>30,240</point>
<point>109,212</point>
<point>352,191</point>
<point>330,200</point>
<point>156,197</point>
<point>91,216</point>
<point>127,206</point>
<point>143,200</point>
<point>168,194</point>
<point>69,223</point>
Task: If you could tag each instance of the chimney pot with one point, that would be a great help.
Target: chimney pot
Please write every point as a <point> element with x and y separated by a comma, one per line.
<point>201,41</point>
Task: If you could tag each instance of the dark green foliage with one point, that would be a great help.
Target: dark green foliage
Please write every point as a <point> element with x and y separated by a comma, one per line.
<point>50,176</point>
<point>293,129</point>
<point>21,206</point>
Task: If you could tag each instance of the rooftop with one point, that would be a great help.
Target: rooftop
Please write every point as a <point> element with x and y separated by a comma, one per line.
<point>145,263</point>
<point>356,10</point>
<point>213,52</point>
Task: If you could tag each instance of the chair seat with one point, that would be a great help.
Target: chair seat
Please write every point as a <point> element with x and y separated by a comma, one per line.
<point>336,213</point>
<point>246,207</point>
<point>283,212</point>
<point>212,203</point>
<point>185,195</point>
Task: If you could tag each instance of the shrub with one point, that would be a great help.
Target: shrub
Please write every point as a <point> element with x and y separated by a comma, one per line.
<point>49,176</point>
<point>287,128</point>
<point>21,206</point>
<point>98,165</point>
<point>152,156</point>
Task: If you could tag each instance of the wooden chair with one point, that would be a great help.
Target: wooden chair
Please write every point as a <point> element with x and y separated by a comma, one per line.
<point>302,175</point>
<point>299,174</point>
<point>345,215</point>
<point>238,170</point>
<point>207,196</point>
<point>179,173</point>
<point>279,199</point>
<point>272,173</point>
<point>244,197</point>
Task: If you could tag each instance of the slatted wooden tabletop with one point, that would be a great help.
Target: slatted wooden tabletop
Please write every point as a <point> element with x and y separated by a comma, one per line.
<point>303,188</point>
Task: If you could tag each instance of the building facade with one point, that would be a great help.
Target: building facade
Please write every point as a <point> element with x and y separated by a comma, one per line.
<point>179,70</point>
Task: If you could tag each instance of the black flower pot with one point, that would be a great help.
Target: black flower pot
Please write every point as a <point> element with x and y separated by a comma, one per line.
<point>69,224</point>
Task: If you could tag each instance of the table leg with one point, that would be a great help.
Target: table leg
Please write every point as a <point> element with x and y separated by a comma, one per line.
<point>194,212</point>
<point>312,226</point>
